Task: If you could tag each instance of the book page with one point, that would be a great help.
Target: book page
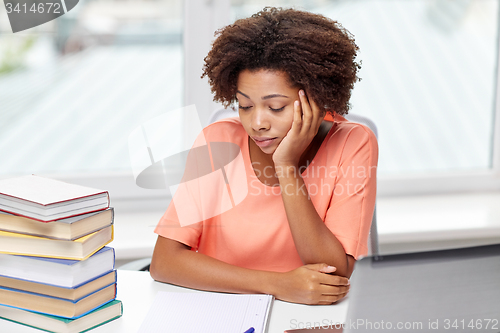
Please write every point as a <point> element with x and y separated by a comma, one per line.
<point>207,312</point>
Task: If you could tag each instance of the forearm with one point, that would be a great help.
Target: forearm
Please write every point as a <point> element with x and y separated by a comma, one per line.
<point>315,243</point>
<point>174,263</point>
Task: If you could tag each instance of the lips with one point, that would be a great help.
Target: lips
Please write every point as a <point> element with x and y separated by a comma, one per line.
<point>263,141</point>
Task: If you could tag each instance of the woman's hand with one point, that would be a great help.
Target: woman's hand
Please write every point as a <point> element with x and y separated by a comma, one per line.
<point>312,284</point>
<point>307,118</point>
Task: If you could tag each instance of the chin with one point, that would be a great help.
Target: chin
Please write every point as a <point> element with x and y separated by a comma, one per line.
<point>268,150</point>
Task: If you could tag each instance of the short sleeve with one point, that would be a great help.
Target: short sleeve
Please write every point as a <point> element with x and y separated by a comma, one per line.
<point>169,227</point>
<point>211,168</point>
<point>350,212</point>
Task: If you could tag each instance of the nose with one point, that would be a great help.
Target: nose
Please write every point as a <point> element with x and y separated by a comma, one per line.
<point>260,120</point>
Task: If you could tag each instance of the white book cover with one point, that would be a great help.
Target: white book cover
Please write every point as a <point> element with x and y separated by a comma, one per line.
<point>49,199</point>
<point>44,191</point>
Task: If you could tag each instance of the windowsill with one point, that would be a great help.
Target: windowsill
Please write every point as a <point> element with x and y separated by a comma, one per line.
<point>404,224</point>
<point>428,222</point>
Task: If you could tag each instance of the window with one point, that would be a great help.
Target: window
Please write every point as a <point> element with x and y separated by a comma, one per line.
<point>428,78</point>
<point>73,89</point>
<point>429,71</point>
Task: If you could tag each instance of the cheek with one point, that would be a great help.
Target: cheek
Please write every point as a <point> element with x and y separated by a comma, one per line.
<point>287,120</point>
<point>246,122</point>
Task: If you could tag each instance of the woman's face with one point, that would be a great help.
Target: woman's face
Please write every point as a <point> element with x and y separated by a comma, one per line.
<point>265,101</point>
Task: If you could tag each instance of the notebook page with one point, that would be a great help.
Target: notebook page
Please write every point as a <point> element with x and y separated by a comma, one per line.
<point>207,312</point>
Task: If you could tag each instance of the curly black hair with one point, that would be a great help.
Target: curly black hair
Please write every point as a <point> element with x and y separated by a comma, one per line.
<point>317,53</point>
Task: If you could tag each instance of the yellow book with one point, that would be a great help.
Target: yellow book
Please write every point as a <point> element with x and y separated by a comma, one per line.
<point>78,249</point>
<point>69,228</point>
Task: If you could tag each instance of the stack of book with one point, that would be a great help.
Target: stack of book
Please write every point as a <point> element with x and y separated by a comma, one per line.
<point>56,272</point>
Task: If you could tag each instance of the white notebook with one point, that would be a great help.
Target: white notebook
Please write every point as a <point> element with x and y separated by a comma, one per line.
<point>207,313</point>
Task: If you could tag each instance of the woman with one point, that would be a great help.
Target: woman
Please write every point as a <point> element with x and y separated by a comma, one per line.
<point>311,182</point>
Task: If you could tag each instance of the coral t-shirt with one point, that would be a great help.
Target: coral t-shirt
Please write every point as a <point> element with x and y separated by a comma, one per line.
<point>237,219</point>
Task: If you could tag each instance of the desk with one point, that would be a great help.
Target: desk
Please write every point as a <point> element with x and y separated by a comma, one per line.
<point>137,291</point>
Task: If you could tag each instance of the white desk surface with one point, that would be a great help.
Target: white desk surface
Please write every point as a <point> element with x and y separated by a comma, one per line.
<point>137,291</point>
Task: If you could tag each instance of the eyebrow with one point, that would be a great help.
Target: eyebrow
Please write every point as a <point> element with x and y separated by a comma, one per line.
<point>265,97</point>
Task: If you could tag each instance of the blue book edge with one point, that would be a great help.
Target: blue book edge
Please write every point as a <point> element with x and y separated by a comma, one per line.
<point>63,287</point>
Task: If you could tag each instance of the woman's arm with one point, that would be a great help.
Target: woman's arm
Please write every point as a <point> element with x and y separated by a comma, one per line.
<point>313,240</point>
<point>175,263</point>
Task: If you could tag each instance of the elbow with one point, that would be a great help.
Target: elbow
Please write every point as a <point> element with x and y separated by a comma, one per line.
<point>348,272</point>
<point>349,268</point>
<point>162,268</point>
<point>345,269</point>
<point>158,269</point>
<point>166,261</point>
<point>153,270</point>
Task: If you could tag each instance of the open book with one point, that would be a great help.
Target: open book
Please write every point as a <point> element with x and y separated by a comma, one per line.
<point>207,313</point>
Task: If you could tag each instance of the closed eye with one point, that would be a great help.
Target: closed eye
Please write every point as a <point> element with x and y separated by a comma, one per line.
<point>244,107</point>
<point>277,110</point>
